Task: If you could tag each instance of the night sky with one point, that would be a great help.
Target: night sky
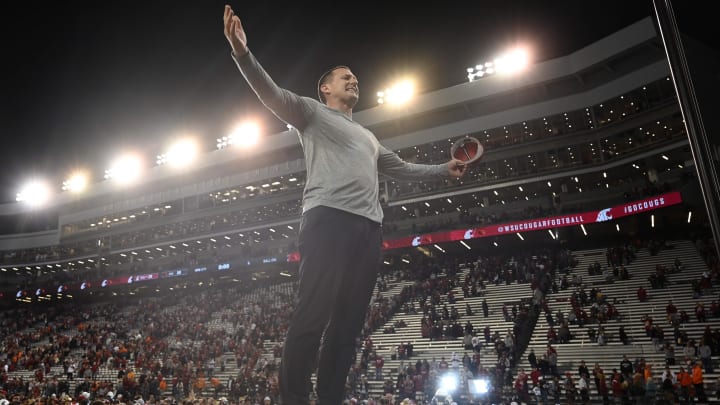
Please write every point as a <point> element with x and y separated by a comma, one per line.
<point>83,81</point>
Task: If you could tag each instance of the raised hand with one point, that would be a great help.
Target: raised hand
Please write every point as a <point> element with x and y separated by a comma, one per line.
<point>234,32</point>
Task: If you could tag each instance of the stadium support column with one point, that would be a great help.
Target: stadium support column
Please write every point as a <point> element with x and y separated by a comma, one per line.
<point>700,143</point>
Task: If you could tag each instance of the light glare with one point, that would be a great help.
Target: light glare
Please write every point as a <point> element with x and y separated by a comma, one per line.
<point>34,193</point>
<point>182,153</point>
<point>481,386</point>
<point>398,94</point>
<point>245,135</point>
<point>76,183</point>
<point>448,383</point>
<point>512,62</point>
<point>125,169</point>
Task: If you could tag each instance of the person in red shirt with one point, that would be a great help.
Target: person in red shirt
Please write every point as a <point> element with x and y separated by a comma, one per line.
<point>648,323</point>
<point>550,350</point>
<point>379,363</point>
<point>535,376</point>
<point>522,376</point>
<point>368,344</point>
<point>617,387</point>
<point>419,380</point>
<point>602,386</point>
<point>551,335</point>
<point>670,310</point>
<point>641,294</point>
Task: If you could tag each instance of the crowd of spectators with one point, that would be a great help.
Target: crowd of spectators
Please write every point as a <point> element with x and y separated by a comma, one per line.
<point>139,350</point>
<point>687,358</point>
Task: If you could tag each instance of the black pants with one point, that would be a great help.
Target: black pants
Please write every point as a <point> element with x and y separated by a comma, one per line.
<point>339,262</point>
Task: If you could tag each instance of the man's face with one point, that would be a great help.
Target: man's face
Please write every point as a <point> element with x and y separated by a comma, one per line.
<point>343,86</point>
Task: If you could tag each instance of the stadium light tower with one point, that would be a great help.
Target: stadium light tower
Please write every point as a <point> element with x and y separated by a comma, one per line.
<point>398,94</point>
<point>181,153</point>
<point>125,169</point>
<point>244,135</point>
<point>514,61</point>
<point>511,62</point>
<point>76,183</point>
<point>35,193</point>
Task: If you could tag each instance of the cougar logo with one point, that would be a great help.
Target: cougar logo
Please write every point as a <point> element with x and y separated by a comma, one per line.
<point>604,215</point>
<point>469,234</point>
<point>416,241</point>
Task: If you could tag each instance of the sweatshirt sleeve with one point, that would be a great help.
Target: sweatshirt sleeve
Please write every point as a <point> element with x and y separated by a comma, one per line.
<point>390,164</point>
<point>286,105</point>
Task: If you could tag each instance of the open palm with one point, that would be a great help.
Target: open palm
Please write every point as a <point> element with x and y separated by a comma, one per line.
<point>234,32</point>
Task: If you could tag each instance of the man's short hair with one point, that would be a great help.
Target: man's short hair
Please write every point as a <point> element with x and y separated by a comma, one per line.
<point>324,79</point>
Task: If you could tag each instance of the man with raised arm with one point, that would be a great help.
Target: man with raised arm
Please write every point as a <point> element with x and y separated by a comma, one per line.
<point>340,234</point>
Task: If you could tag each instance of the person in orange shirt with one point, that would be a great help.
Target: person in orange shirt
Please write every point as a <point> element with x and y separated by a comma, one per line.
<point>697,380</point>
<point>200,384</point>
<point>647,374</point>
<point>216,385</point>
<point>685,381</point>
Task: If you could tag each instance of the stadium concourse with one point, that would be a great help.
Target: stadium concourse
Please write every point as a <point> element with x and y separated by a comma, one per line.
<point>572,262</point>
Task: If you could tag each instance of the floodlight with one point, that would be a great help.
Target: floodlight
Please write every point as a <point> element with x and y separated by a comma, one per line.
<point>398,94</point>
<point>34,193</point>
<point>513,61</point>
<point>77,182</point>
<point>181,153</point>
<point>125,169</point>
<point>245,135</point>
